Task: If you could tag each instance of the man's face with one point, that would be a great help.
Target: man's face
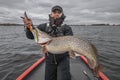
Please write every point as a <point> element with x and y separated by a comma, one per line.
<point>56,14</point>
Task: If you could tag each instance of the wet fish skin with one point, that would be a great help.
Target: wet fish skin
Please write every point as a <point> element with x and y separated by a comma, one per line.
<point>59,45</point>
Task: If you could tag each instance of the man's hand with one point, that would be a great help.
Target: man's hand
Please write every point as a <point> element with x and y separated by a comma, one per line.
<point>27,22</point>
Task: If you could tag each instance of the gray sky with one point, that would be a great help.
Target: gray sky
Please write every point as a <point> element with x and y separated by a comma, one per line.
<point>77,11</point>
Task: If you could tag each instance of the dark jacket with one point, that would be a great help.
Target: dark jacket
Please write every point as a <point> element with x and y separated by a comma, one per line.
<point>64,30</point>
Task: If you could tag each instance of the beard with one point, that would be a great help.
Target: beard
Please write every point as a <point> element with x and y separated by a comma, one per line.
<point>57,21</point>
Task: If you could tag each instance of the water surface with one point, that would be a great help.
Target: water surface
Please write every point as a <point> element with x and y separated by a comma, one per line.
<point>17,52</point>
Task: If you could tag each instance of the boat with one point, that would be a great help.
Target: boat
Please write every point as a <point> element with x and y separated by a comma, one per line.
<point>78,67</point>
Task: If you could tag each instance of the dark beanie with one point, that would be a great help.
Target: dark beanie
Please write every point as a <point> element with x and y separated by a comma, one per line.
<point>57,8</point>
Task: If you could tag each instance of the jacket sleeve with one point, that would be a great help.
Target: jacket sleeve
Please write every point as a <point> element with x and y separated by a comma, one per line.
<point>29,34</point>
<point>67,30</point>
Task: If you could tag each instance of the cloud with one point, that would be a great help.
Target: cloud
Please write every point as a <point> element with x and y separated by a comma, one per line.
<point>77,11</point>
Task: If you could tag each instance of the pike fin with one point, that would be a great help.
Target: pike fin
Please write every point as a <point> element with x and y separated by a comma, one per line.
<point>72,55</point>
<point>44,50</point>
<point>91,63</point>
<point>97,70</point>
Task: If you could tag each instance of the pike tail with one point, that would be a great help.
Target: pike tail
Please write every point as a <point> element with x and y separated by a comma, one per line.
<point>97,70</point>
<point>91,63</point>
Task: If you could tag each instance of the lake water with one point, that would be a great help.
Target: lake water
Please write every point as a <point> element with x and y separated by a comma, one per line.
<point>17,52</point>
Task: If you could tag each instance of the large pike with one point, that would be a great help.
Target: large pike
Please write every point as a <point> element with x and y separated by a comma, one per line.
<point>59,45</point>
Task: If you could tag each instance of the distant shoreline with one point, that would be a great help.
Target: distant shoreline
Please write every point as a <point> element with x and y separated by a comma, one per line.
<point>14,24</point>
<point>9,24</point>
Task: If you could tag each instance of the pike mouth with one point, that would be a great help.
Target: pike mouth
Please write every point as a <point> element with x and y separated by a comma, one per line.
<point>44,43</point>
<point>43,40</point>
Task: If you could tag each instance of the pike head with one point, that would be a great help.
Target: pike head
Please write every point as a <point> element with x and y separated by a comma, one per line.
<point>41,37</point>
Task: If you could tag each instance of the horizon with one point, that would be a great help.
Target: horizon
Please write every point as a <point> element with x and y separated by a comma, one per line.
<point>68,24</point>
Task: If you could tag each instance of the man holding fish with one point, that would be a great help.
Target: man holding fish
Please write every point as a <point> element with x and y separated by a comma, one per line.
<point>55,28</point>
<point>57,41</point>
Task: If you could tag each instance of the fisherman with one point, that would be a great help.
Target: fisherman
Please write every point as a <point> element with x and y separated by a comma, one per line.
<point>55,28</point>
